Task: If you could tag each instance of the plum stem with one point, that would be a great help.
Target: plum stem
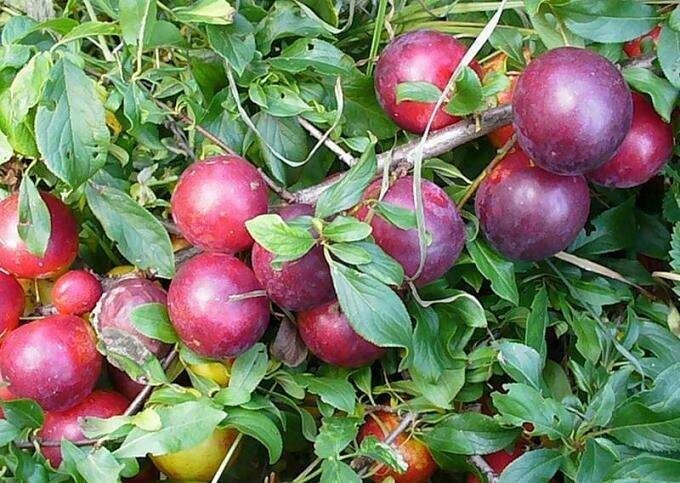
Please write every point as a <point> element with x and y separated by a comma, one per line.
<point>482,176</point>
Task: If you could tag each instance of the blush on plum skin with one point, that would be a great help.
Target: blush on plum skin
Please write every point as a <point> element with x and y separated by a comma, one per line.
<point>76,292</point>
<point>12,301</point>
<point>644,151</point>
<point>572,110</point>
<point>203,313</point>
<point>53,360</point>
<point>213,200</point>
<point>300,284</point>
<point>442,222</point>
<point>528,213</point>
<point>326,332</point>
<point>67,424</point>
<point>62,246</point>
<point>115,308</point>
<point>424,56</point>
<point>421,465</point>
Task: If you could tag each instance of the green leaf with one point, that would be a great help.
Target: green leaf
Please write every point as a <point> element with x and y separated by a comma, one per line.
<point>335,391</point>
<point>346,229</point>
<point>499,271</point>
<point>153,321</point>
<point>183,426</point>
<point>607,21</point>
<point>287,137</point>
<point>92,465</point>
<point>379,451</point>
<point>494,83</point>
<point>258,426</point>
<point>373,309</point>
<point>282,101</point>
<point>247,371</point>
<point>537,465</point>
<point>667,50</point>
<point>661,91</point>
<point>350,253</point>
<point>382,266</point>
<point>27,87</point>
<point>213,12</point>
<point>140,237</point>
<point>35,222</point>
<point>636,425</point>
<point>348,191</point>
<point>522,363</point>
<point>276,236</point>
<point>335,435</point>
<point>470,433</point>
<point>467,94</point>
<point>23,413</point>
<point>6,150</point>
<point>587,341</point>
<point>595,463</point>
<point>537,323</point>
<point>315,54</point>
<point>8,432</point>
<point>89,29</point>
<point>418,91</point>
<point>442,391</point>
<point>645,467</point>
<point>611,233</point>
<point>335,471</point>
<point>403,218</point>
<point>137,19</point>
<point>70,129</point>
<point>235,42</point>
<point>552,31</point>
<point>601,408</point>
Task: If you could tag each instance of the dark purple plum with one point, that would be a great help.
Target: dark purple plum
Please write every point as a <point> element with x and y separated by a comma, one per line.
<point>326,332</point>
<point>442,221</point>
<point>206,310</point>
<point>528,213</point>
<point>645,150</point>
<point>298,285</point>
<point>572,110</point>
<point>420,56</point>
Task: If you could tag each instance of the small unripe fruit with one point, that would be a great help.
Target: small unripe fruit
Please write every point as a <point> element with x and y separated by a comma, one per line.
<point>62,246</point>
<point>572,110</point>
<point>76,292</point>
<point>421,465</point>
<point>300,284</point>
<point>209,307</point>
<point>644,151</point>
<point>200,462</point>
<point>213,200</point>
<point>326,331</point>
<point>444,226</point>
<point>528,213</point>
<point>217,372</point>
<point>67,424</point>
<point>420,56</point>
<point>53,360</point>
<point>12,300</point>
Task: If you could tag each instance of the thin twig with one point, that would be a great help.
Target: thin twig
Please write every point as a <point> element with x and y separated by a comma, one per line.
<point>344,156</point>
<point>362,464</point>
<point>227,458</point>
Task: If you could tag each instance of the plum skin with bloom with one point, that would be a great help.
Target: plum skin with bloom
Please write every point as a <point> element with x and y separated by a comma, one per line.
<point>214,198</point>
<point>642,154</point>
<point>66,424</point>
<point>203,312</point>
<point>419,56</point>
<point>328,335</point>
<point>12,302</point>
<point>299,284</point>
<point>53,360</point>
<point>62,245</point>
<point>443,223</point>
<point>528,213</point>
<point>76,292</point>
<point>572,109</point>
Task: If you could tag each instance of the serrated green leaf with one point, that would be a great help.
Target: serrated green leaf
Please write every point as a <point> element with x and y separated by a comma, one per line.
<point>35,222</point>
<point>667,50</point>
<point>402,218</point>
<point>213,12</point>
<point>661,91</point>
<point>346,229</point>
<point>276,236</point>
<point>536,465</point>
<point>470,433</point>
<point>334,436</point>
<point>499,271</point>
<point>153,321</point>
<point>467,94</point>
<point>257,425</point>
<point>418,91</point>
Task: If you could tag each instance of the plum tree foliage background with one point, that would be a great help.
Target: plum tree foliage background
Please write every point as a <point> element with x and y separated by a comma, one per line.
<point>107,102</point>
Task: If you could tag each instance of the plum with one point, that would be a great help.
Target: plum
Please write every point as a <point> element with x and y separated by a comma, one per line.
<point>572,110</point>
<point>500,460</point>
<point>5,395</point>
<point>114,310</point>
<point>419,56</point>
<point>76,292</point>
<point>325,330</point>
<point>528,213</point>
<point>12,302</point>
<point>421,465</point>
<point>300,284</point>
<point>53,360</point>
<point>445,228</point>
<point>213,200</point>
<point>123,383</point>
<point>498,137</point>
<point>206,310</point>
<point>62,246</point>
<point>67,424</point>
<point>644,151</point>
<point>633,48</point>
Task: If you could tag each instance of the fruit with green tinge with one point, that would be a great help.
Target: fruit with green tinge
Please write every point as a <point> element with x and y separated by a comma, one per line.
<point>421,465</point>
<point>53,360</point>
<point>12,301</point>
<point>62,245</point>
<point>215,306</point>
<point>200,462</point>
<point>217,372</point>
<point>76,292</point>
